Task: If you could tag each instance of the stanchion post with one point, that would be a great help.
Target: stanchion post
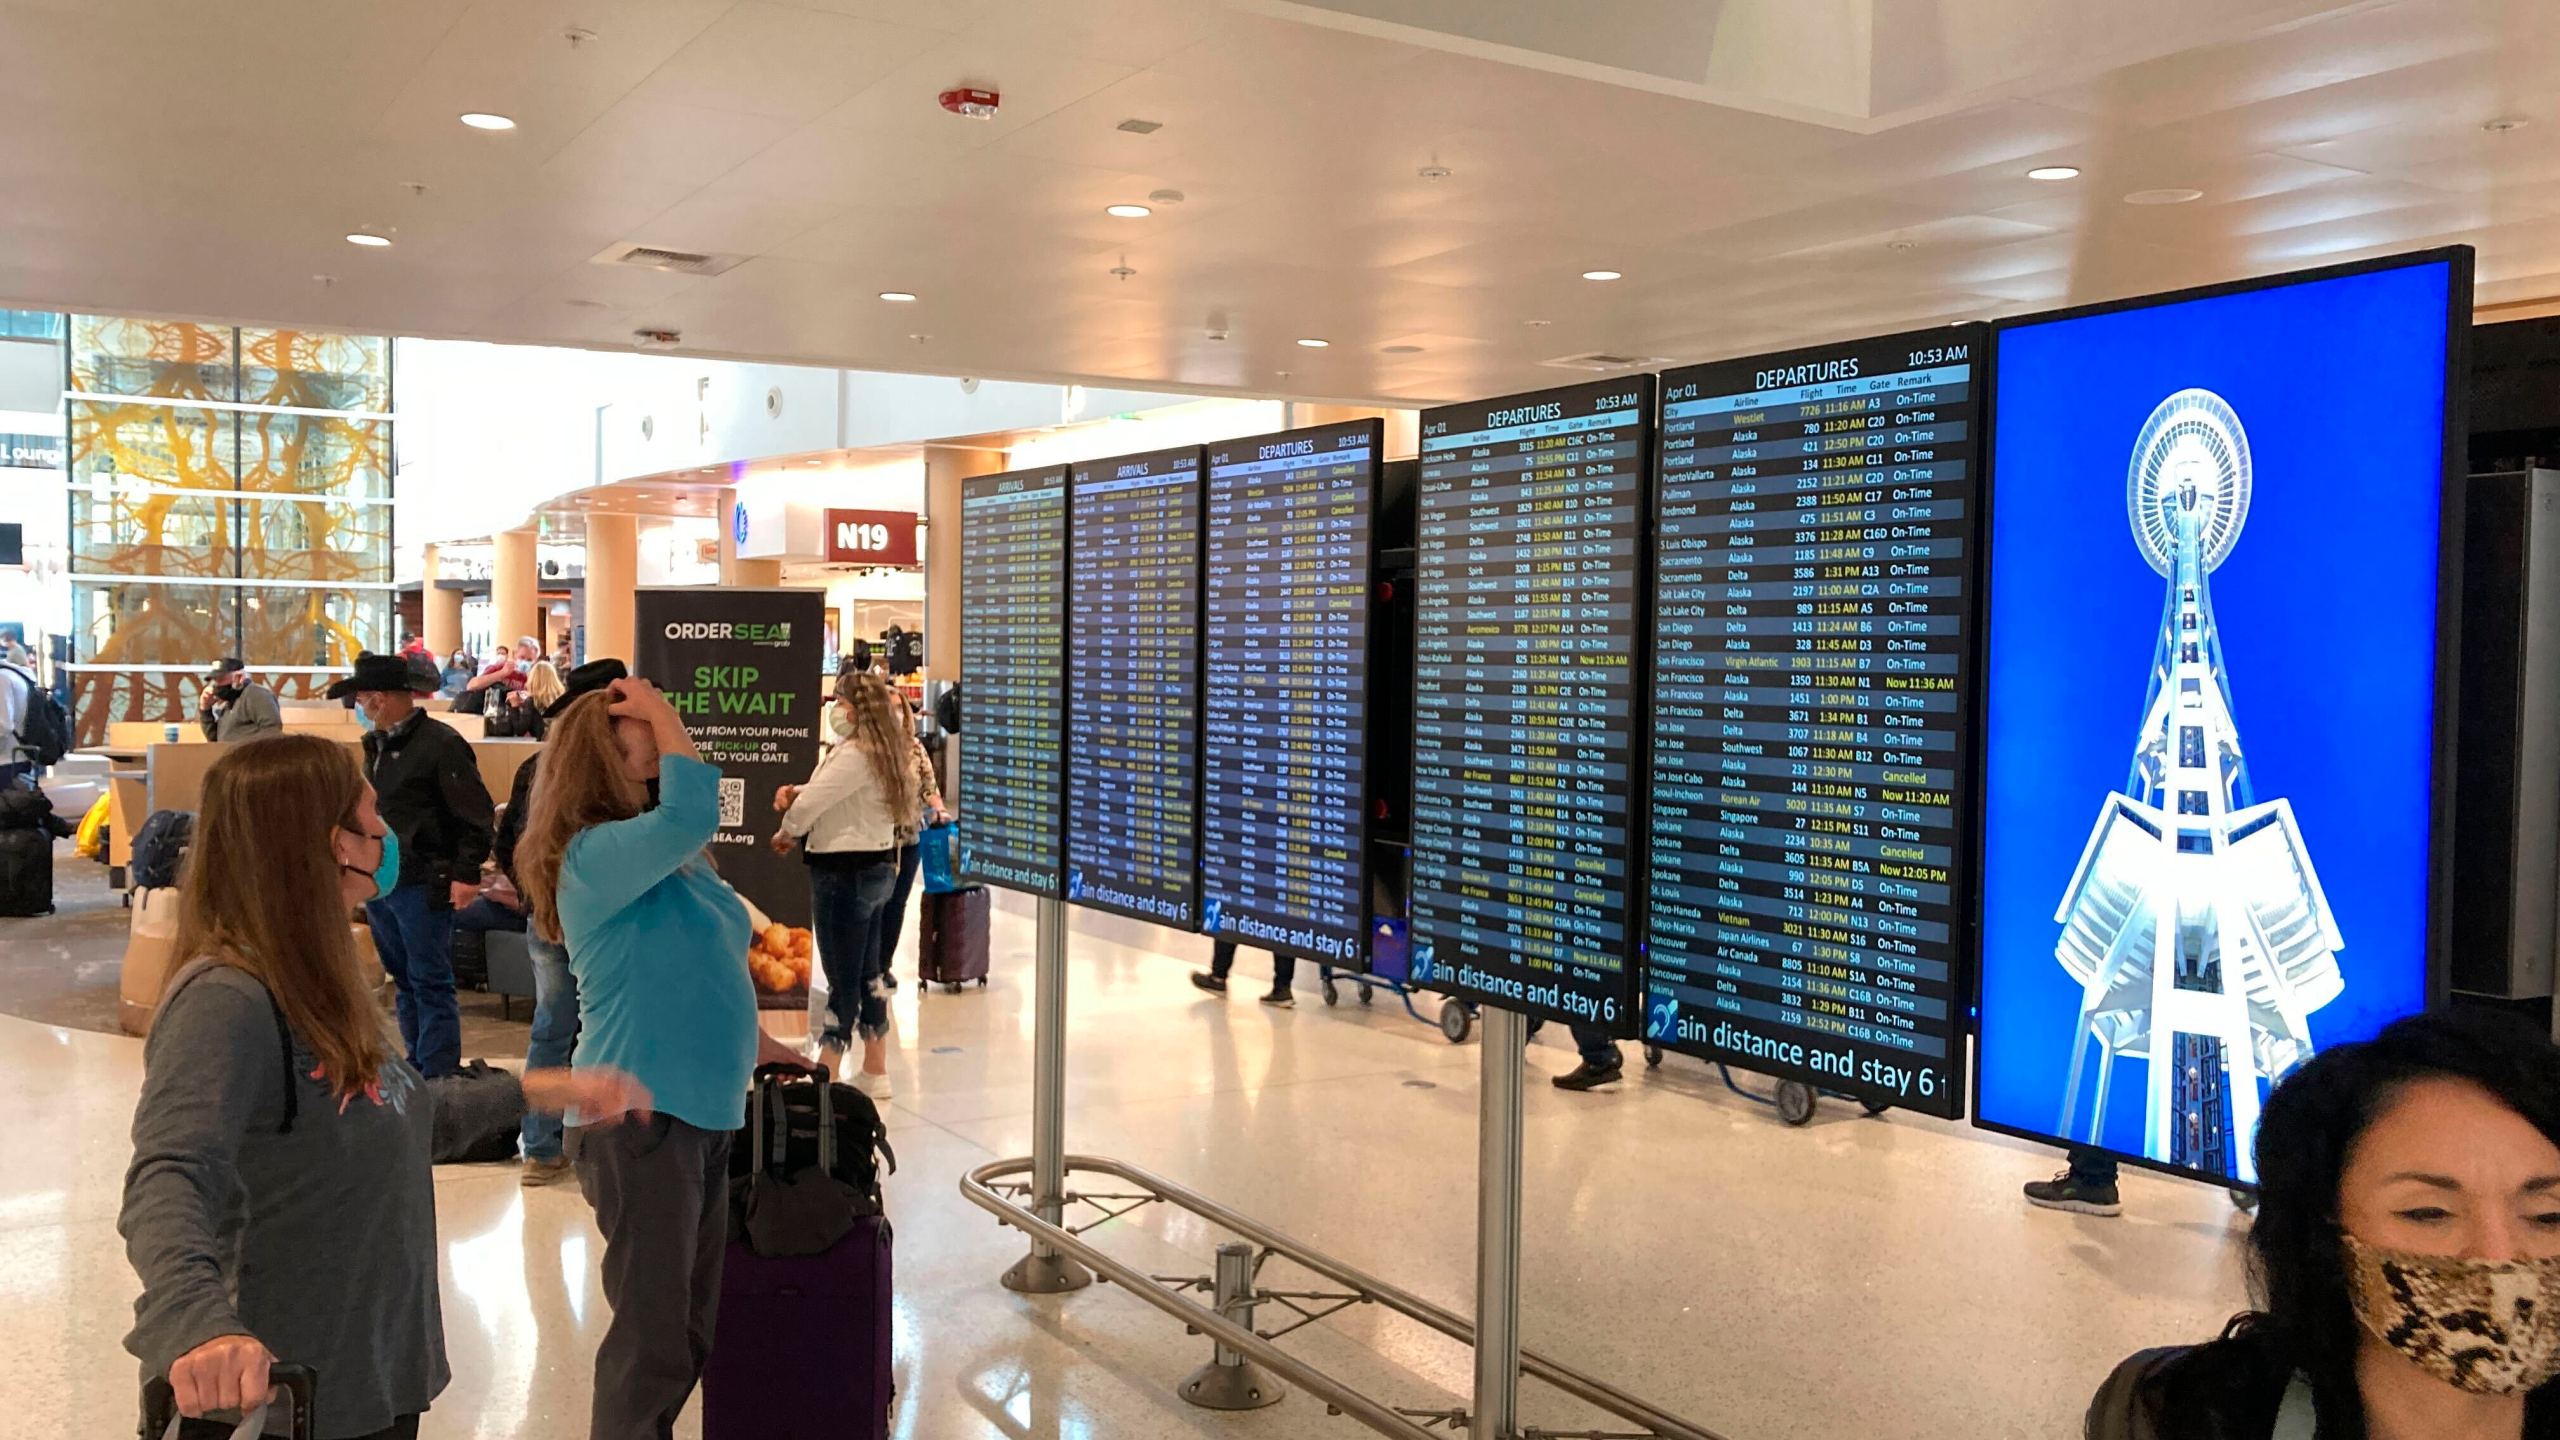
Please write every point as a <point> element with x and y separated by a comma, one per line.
<point>1230,1381</point>
<point>1044,1271</point>
<point>1496,1412</point>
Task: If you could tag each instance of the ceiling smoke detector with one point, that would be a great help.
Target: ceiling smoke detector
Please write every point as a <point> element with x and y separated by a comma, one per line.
<point>970,102</point>
<point>1122,272</point>
<point>1141,127</point>
<point>1601,362</point>
<point>654,338</point>
<point>1434,172</point>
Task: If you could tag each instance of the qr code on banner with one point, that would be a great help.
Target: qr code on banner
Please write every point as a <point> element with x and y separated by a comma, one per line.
<point>733,801</point>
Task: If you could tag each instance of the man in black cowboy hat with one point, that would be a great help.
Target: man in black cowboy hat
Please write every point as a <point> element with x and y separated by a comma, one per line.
<point>555,989</point>
<point>426,783</point>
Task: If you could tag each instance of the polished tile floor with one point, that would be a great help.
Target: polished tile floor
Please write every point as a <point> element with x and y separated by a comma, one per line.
<point>1868,1277</point>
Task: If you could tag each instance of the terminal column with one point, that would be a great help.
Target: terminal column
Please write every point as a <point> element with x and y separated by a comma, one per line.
<point>515,586</point>
<point>613,572</point>
<point>441,616</point>
<point>945,466</point>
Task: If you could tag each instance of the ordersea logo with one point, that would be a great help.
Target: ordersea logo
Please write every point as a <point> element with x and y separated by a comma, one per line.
<point>777,634</point>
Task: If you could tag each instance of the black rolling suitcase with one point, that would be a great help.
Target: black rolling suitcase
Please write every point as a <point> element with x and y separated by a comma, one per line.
<point>951,944</point>
<point>289,1415</point>
<point>28,828</point>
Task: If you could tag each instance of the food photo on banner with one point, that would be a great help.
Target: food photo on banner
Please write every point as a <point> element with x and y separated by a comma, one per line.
<point>2210,704</point>
<point>742,667</point>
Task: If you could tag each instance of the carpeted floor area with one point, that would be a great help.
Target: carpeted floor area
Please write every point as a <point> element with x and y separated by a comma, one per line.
<point>62,969</point>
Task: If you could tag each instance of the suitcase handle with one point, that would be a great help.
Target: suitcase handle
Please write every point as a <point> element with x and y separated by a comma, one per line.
<point>295,1383</point>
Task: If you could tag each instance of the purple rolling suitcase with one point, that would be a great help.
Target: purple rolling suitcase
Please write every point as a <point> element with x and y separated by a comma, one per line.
<point>802,1347</point>
<point>951,944</point>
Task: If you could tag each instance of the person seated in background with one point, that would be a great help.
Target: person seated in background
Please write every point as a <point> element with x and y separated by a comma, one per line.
<point>235,707</point>
<point>510,669</point>
<point>2405,1259</point>
<point>524,714</point>
<point>459,667</point>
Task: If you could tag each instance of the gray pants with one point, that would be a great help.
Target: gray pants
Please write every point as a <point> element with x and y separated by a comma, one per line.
<point>661,1196</point>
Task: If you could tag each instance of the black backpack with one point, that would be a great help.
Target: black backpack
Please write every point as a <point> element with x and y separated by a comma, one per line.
<point>161,847</point>
<point>808,1164</point>
<point>44,731</point>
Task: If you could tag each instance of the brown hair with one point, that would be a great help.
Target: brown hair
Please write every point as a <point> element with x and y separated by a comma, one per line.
<point>260,893</point>
<point>881,735</point>
<point>579,784</point>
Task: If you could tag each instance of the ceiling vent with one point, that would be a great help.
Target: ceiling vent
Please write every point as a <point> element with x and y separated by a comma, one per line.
<point>1600,362</point>
<point>672,262</point>
<point>1136,126</point>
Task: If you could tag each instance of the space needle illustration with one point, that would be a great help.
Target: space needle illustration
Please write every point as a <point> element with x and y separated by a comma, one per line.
<point>2195,924</point>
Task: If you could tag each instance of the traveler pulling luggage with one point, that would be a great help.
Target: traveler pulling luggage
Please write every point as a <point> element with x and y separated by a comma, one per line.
<point>951,942</point>
<point>802,1341</point>
<point>289,1414</point>
<point>28,828</point>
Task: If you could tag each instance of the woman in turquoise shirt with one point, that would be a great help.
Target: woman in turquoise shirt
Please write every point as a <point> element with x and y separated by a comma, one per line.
<point>658,942</point>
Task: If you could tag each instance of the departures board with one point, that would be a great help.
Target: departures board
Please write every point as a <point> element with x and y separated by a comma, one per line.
<point>1133,693</point>
<point>1282,858</point>
<point>1815,531</point>
<point>1013,615</point>
<point>1528,574</point>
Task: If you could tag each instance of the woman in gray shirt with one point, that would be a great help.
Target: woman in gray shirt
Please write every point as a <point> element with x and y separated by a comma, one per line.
<point>280,1204</point>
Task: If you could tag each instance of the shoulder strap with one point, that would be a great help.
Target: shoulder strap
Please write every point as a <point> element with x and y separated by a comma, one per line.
<point>2297,1418</point>
<point>284,1034</point>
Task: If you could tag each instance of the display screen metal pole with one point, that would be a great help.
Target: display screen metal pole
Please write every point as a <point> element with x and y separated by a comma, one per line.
<point>1044,1271</point>
<point>1497,1340</point>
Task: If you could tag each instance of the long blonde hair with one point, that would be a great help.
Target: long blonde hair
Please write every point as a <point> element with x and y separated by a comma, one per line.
<point>881,737</point>
<point>580,784</point>
<point>544,685</point>
<point>260,893</point>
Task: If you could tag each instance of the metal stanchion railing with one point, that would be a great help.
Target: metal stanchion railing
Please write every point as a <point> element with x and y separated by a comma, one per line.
<point>1044,1271</point>
<point>1497,1342</point>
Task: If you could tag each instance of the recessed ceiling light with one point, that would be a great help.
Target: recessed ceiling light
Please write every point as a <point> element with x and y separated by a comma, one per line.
<point>368,239</point>
<point>898,297</point>
<point>1128,212</point>
<point>2504,124</point>
<point>1313,343</point>
<point>483,120</point>
<point>1600,274</point>
<point>2167,195</point>
<point>1902,244</point>
<point>1537,324</point>
<point>815,462</point>
<point>1434,172</point>
<point>2054,172</point>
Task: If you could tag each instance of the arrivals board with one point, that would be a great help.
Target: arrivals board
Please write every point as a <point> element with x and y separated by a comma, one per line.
<point>1815,526</point>
<point>1287,615</point>
<point>1013,614</point>
<point>1528,577</point>
<point>1133,693</point>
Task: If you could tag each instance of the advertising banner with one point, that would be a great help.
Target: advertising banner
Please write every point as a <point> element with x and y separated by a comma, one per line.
<point>740,665</point>
<point>2211,723</point>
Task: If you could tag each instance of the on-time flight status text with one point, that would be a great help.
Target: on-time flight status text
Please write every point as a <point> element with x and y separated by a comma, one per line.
<point>1133,712</point>
<point>1286,696</point>
<point>1527,569</point>
<point>1013,546</point>
<point>1813,533</point>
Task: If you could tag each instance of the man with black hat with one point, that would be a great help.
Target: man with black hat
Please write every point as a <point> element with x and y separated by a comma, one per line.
<point>234,707</point>
<point>555,988</point>
<point>427,786</point>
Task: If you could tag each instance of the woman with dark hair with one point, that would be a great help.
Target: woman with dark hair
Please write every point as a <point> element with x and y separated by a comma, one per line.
<point>2406,1256</point>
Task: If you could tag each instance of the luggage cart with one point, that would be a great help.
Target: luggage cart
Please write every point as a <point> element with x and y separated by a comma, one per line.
<point>1794,1100</point>
<point>1389,970</point>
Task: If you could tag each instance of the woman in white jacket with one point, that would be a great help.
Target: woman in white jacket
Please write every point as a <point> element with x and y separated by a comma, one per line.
<point>850,813</point>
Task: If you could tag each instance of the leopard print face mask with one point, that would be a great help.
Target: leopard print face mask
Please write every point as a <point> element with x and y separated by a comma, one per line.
<point>2491,1327</point>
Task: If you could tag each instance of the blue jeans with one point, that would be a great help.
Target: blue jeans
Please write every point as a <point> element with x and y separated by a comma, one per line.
<point>413,933</point>
<point>555,1036</point>
<point>893,916</point>
<point>848,896</point>
<point>1598,1050</point>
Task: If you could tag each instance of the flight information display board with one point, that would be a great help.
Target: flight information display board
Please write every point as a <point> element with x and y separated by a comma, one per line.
<point>1013,619</point>
<point>1286,807</point>
<point>1528,578</point>
<point>1133,702</point>
<point>1815,528</point>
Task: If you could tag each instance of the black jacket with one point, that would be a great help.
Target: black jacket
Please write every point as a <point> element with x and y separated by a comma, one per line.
<point>427,785</point>
<point>511,824</point>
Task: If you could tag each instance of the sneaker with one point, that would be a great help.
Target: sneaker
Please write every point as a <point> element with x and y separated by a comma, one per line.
<point>1214,984</point>
<point>875,1086</point>
<point>1279,1000</point>
<point>1587,1076</point>
<point>544,1170</point>
<point>2079,1197</point>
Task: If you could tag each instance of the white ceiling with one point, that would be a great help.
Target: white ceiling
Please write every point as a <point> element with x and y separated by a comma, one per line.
<point>206,159</point>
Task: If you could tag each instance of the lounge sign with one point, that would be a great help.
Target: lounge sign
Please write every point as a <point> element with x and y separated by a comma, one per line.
<point>870,537</point>
<point>36,452</point>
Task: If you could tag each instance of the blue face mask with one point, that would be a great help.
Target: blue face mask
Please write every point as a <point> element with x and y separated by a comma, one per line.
<point>386,874</point>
